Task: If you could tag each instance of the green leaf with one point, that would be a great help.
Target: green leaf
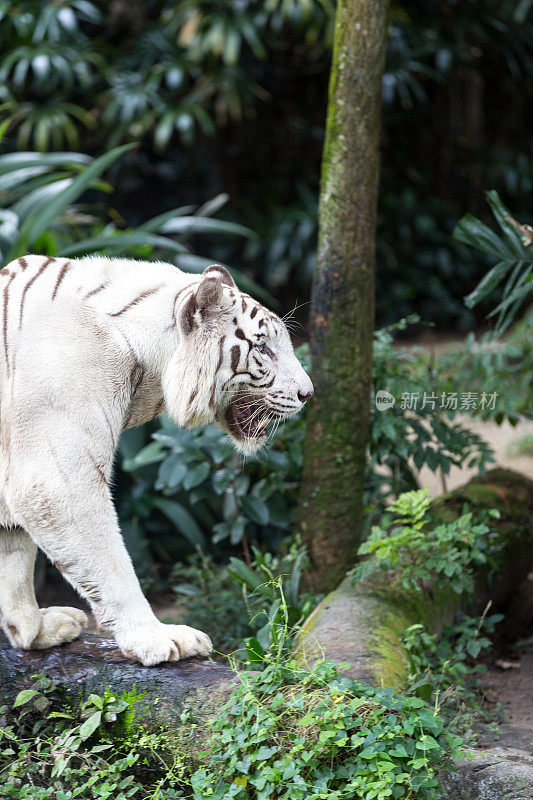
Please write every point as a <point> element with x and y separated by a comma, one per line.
<point>155,223</point>
<point>255,509</point>
<point>171,472</point>
<point>183,520</point>
<point>96,700</point>
<point>151,454</point>
<point>237,530</point>
<point>118,705</point>
<point>244,574</point>
<point>489,282</point>
<point>473,647</point>
<point>24,697</point>
<point>475,233</point>
<point>196,475</point>
<point>90,725</point>
<point>121,243</point>
<point>40,220</point>
<point>503,218</point>
<point>196,224</point>
<point>264,753</point>
<point>254,651</point>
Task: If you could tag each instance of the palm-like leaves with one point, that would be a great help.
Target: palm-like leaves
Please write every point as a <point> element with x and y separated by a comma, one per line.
<point>38,212</point>
<point>514,254</point>
<point>185,67</point>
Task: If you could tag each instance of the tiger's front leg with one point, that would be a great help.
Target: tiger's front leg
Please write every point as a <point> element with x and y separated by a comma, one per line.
<point>70,516</point>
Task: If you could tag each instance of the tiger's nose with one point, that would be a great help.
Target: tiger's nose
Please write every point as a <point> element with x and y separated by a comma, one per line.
<point>303,396</point>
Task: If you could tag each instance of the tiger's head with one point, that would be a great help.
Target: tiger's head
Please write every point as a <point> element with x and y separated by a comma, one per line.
<point>235,366</point>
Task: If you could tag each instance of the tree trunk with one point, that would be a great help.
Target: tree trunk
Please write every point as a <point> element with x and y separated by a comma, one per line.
<point>342,310</point>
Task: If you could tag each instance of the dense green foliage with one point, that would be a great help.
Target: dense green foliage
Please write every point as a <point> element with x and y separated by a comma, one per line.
<point>286,732</point>
<point>60,748</point>
<point>246,606</point>
<point>212,489</point>
<point>444,671</point>
<point>231,97</point>
<point>298,734</point>
<point>420,553</point>
<point>423,553</point>
<point>41,211</point>
<point>420,429</point>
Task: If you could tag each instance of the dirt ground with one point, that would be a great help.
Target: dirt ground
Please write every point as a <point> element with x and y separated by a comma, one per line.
<point>509,682</point>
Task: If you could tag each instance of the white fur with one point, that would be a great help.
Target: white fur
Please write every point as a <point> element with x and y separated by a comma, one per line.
<point>79,361</point>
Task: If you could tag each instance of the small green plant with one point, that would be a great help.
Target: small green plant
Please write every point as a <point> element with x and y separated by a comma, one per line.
<point>244,606</point>
<point>415,432</point>
<point>308,734</point>
<point>423,552</point>
<point>212,601</point>
<point>271,587</point>
<point>444,672</point>
<point>96,749</point>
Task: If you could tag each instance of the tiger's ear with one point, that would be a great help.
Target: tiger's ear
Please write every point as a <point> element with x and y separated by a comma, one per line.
<point>220,272</point>
<point>206,303</point>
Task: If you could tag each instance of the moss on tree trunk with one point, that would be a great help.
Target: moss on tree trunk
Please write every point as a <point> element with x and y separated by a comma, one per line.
<point>342,310</point>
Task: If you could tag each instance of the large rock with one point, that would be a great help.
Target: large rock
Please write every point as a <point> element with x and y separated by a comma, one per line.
<point>499,773</point>
<point>93,663</point>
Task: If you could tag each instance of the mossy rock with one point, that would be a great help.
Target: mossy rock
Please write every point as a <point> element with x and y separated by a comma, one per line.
<point>363,624</point>
<point>93,663</point>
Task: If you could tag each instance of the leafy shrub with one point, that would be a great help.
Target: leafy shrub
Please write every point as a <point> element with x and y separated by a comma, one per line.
<point>444,670</point>
<point>91,749</point>
<point>293,733</point>
<point>500,369</point>
<point>275,602</point>
<point>423,552</point>
<point>201,486</point>
<point>213,601</point>
<point>286,732</point>
<point>245,606</point>
<point>418,434</point>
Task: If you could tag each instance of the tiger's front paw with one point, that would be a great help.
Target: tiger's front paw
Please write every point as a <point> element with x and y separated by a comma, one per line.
<point>157,643</point>
<point>59,624</point>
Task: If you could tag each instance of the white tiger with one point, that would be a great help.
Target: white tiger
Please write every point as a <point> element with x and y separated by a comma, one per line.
<point>89,347</point>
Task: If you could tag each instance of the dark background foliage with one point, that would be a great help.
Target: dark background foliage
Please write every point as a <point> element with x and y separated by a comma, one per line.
<point>231,96</point>
<point>217,110</point>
